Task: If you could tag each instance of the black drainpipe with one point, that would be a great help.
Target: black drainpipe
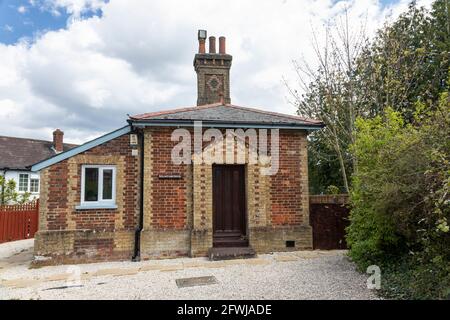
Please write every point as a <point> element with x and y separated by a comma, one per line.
<point>137,235</point>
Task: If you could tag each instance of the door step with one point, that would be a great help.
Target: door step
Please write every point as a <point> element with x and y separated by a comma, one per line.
<point>229,253</point>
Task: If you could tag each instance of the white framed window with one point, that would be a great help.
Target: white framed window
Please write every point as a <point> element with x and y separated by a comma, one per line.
<point>98,186</point>
<point>34,185</point>
<point>23,182</point>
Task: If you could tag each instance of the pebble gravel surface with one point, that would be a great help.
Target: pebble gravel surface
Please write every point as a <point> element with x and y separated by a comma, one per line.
<point>294,275</point>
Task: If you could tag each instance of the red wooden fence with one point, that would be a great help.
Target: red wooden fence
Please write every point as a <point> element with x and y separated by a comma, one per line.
<point>19,221</point>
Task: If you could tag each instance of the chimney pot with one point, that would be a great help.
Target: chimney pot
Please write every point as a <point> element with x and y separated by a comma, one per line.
<point>58,140</point>
<point>201,41</point>
<point>222,48</point>
<point>212,44</point>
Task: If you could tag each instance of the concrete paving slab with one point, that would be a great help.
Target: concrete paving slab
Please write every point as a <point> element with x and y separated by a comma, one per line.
<point>194,264</point>
<point>286,258</point>
<point>150,267</point>
<point>168,268</point>
<point>115,272</point>
<point>212,265</point>
<point>308,254</point>
<point>20,283</point>
<point>234,262</point>
<point>256,262</point>
<point>58,277</point>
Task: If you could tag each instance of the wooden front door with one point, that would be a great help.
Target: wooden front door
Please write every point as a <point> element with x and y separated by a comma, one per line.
<point>229,209</point>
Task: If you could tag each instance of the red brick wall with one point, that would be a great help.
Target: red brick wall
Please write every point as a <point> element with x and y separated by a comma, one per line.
<point>168,195</point>
<point>285,189</point>
<point>98,220</point>
<point>57,199</point>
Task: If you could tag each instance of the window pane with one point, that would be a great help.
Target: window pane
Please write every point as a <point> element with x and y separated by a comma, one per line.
<point>34,185</point>
<point>107,184</point>
<point>91,184</point>
<point>23,182</point>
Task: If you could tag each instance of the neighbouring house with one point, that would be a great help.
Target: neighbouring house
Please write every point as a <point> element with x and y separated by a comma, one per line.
<point>17,155</point>
<point>181,182</point>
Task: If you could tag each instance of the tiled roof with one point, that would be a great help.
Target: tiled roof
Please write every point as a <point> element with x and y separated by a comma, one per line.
<point>226,113</point>
<point>20,153</point>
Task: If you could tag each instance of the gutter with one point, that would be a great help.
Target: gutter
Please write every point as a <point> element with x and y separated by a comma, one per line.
<point>219,124</point>
<point>137,235</point>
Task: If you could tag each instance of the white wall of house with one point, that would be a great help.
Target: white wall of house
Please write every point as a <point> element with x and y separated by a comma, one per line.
<point>26,181</point>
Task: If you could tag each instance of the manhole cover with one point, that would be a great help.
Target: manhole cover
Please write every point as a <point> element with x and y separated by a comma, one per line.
<point>198,281</point>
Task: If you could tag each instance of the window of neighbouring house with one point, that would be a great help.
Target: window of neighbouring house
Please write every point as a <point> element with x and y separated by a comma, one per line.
<point>23,182</point>
<point>34,185</point>
<point>98,186</point>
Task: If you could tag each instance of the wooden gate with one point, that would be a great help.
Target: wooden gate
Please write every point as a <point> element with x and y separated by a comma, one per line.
<point>18,222</point>
<point>329,218</point>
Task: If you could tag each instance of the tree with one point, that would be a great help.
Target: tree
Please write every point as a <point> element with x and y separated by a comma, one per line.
<point>404,64</point>
<point>407,62</point>
<point>328,93</point>
<point>8,194</point>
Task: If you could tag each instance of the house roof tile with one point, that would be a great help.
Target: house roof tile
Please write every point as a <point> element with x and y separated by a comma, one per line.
<point>226,113</point>
<point>21,153</point>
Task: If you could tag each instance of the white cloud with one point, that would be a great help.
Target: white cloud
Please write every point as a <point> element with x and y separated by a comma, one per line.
<point>8,28</point>
<point>137,57</point>
<point>22,9</point>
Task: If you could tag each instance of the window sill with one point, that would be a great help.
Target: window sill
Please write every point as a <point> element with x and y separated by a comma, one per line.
<point>95,206</point>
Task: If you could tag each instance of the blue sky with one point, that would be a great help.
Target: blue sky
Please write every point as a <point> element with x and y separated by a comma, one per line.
<point>89,63</point>
<point>25,18</point>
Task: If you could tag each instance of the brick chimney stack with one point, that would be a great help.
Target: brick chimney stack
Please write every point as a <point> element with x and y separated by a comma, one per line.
<point>213,71</point>
<point>58,138</point>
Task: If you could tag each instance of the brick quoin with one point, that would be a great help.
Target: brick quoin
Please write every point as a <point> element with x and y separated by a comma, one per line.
<point>57,202</point>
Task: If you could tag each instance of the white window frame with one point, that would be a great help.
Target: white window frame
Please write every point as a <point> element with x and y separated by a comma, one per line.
<point>28,182</point>
<point>38,186</point>
<point>100,203</point>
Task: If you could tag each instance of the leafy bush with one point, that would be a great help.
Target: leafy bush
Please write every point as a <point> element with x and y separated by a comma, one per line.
<point>401,199</point>
<point>331,189</point>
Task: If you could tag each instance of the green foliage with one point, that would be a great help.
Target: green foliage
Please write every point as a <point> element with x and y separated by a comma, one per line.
<point>407,61</point>
<point>333,190</point>
<point>324,168</point>
<point>406,278</point>
<point>401,200</point>
<point>8,194</point>
<point>385,104</point>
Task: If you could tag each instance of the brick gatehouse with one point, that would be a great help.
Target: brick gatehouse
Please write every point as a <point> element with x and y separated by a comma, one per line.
<point>122,195</point>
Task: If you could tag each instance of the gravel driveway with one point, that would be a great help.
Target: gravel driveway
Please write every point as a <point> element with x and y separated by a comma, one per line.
<point>294,275</point>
